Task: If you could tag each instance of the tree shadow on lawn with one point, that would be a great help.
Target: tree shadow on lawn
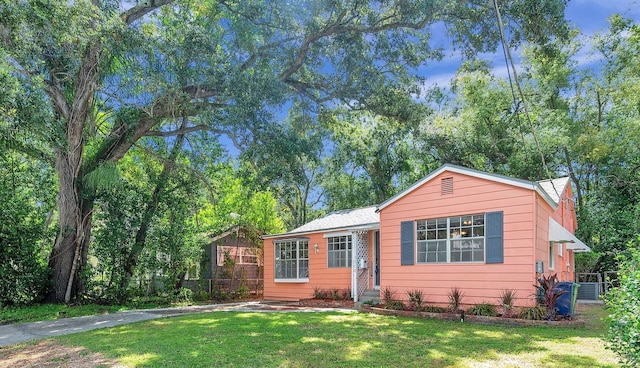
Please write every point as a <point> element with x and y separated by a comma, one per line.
<point>334,339</point>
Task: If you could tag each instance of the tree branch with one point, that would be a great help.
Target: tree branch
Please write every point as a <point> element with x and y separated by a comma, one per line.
<point>143,9</point>
<point>159,133</point>
<point>340,27</point>
<point>28,150</point>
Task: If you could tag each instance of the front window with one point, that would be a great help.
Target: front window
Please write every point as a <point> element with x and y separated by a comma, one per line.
<point>451,239</point>
<point>339,251</point>
<point>292,259</point>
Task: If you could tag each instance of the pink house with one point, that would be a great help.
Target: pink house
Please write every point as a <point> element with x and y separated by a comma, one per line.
<point>456,227</point>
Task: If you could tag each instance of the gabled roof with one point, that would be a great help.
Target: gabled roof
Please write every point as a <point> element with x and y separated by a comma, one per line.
<point>544,188</point>
<point>364,218</point>
<point>554,187</point>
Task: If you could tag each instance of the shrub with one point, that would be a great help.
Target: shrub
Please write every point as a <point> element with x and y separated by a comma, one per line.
<point>23,268</point>
<point>335,293</point>
<point>184,295</point>
<point>346,294</point>
<point>416,298</point>
<point>433,309</point>
<point>455,296</point>
<point>483,309</point>
<point>624,306</point>
<point>548,294</point>
<point>534,313</point>
<point>395,305</point>
<point>318,293</point>
<point>388,295</point>
<point>507,299</point>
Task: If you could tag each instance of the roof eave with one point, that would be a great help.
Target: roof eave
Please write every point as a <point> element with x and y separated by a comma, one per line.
<point>360,227</point>
<point>475,173</point>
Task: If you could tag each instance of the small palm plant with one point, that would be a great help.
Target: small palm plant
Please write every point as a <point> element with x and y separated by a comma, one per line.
<point>416,299</point>
<point>507,300</point>
<point>388,295</point>
<point>455,296</point>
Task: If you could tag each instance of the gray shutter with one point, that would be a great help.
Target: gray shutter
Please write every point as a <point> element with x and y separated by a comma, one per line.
<point>495,237</point>
<point>406,243</point>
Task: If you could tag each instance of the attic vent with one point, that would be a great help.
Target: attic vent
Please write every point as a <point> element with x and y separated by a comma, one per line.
<point>447,186</point>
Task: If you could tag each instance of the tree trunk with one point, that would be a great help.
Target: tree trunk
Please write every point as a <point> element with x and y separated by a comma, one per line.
<point>150,211</point>
<point>70,248</point>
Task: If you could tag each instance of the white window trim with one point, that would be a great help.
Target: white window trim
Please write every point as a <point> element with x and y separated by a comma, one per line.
<point>348,251</point>
<point>333,235</point>
<point>291,280</point>
<point>449,239</point>
<point>560,249</point>
<point>552,257</point>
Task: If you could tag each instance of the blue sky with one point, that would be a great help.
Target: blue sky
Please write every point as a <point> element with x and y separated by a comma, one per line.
<point>590,16</point>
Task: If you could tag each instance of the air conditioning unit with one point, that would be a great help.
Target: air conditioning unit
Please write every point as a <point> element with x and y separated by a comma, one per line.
<point>588,291</point>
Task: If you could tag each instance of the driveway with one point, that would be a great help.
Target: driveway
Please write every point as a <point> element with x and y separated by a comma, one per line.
<point>13,334</point>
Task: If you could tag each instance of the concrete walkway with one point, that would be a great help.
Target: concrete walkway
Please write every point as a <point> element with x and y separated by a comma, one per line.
<point>13,334</point>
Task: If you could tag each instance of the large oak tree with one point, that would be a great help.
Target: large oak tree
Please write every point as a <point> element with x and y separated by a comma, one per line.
<point>89,79</point>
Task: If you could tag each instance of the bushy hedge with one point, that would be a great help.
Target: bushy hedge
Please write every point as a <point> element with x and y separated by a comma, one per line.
<point>23,272</point>
<point>624,307</point>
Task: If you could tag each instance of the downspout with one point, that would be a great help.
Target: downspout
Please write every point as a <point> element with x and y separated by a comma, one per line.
<point>354,267</point>
<point>535,238</point>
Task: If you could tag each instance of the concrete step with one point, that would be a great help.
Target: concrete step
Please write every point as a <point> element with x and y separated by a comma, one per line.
<point>368,296</point>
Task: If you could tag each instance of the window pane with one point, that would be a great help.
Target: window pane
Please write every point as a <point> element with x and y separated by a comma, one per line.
<point>478,220</point>
<point>478,255</point>
<point>453,239</point>
<point>442,256</point>
<point>466,256</point>
<point>339,251</point>
<point>456,256</point>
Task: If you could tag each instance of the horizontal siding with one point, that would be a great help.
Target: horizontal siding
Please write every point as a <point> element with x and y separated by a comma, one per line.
<point>479,281</point>
<point>320,275</point>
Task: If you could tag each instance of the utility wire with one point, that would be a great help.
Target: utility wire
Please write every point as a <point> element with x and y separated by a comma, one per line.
<point>511,65</point>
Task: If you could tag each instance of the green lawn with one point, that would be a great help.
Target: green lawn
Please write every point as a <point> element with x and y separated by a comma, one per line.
<point>44,312</point>
<point>343,340</point>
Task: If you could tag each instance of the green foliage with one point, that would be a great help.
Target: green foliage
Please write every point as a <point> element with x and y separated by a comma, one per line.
<point>433,309</point>
<point>548,293</point>
<point>483,309</point>
<point>455,296</point>
<point>416,299</point>
<point>333,293</point>
<point>624,308</point>
<point>23,271</point>
<point>537,312</point>
<point>506,301</point>
<point>388,295</point>
<point>395,305</point>
<point>184,295</point>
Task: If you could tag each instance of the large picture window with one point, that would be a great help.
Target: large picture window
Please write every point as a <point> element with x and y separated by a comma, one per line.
<point>292,260</point>
<point>451,239</point>
<point>339,251</point>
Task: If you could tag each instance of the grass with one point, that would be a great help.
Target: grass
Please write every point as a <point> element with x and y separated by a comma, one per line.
<point>44,312</point>
<point>236,339</point>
